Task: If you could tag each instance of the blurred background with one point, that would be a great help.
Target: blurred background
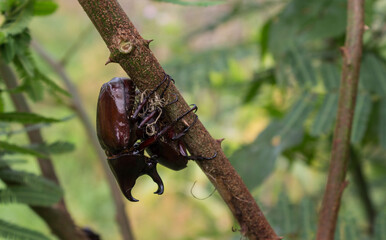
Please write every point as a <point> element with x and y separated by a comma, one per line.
<point>265,76</point>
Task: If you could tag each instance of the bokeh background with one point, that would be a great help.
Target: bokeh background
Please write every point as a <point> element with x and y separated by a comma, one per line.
<point>218,56</point>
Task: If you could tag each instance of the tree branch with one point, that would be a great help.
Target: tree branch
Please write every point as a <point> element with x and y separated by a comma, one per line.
<point>132,52</point>
<point>120,212</point>
<point>352,53</point>
<point>56,217</point>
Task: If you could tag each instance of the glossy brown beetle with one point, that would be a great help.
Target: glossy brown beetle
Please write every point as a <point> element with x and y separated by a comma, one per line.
<point>122,120</point>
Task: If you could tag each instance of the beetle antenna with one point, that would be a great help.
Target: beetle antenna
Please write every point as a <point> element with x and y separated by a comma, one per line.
<point>191,192</point>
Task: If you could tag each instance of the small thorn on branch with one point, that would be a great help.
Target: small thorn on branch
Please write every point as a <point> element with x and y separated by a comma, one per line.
<point>220,140</point>
<point>108,61</point>
<point>147,42</point>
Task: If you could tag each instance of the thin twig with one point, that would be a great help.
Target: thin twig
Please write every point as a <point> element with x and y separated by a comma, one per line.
<point>76,45</point>
<point>352,53</point>
<point>120,212</point>
<point>56,217</point>
<point>132,52</point>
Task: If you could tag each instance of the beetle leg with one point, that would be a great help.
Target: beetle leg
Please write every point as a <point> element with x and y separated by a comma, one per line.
<point>147,119</point>
<point>174,101</point>
<point>201,157</point>
<point>170,80</point>
<point>180,135</point>
<point>184,153</point>
<point>165,129</point>
<point>151,140</point>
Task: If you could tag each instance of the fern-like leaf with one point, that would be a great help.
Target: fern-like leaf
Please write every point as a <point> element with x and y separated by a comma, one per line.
<point>31,180</point>
<point>15,232</point>
<point>28,195</point>
<point>7,162</point>
<point>19,20</point>
<point>25,117</point>
<point>361,117</point>
<point>58,147</point>
<point>12,148</point>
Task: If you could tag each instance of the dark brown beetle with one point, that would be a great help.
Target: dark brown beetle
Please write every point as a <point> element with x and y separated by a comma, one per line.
<point>121,128</point>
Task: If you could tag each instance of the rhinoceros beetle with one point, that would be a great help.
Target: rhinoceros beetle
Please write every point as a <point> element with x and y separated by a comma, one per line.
<point>124,116</point>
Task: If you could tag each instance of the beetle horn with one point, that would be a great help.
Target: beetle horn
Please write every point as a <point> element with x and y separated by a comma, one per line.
<point>152,172</point>
<point>129,196</point>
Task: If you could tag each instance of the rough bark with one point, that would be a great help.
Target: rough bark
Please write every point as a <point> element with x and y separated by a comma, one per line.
<point>56,217</point>
<point>132,52</point>
<point>352,53</point>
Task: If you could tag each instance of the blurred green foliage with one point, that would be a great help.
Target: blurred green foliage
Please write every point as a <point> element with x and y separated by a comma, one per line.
<point>265,76</point>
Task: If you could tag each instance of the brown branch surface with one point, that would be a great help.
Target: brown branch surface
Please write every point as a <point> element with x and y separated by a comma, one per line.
<point>120,212</point>
<point>352,53</point>
<point>56,217</point>
<point>132,52</point>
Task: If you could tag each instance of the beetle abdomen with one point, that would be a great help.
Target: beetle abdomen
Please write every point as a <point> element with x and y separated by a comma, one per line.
<point>115,104</point>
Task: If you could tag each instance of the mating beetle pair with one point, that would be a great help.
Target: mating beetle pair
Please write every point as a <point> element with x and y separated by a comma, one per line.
<point>128,123</point>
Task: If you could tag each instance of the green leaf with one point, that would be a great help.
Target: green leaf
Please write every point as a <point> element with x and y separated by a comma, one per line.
<point>51,84</point>
<point>12,148</point>
<point>302,21</point>
<point>3,37</point>
<point>373,74</point>
<point>380,226</point>
<point>7,162</point>
<point>382,125</point>
<point>264,38</point>
<point>22,40</point>
<point>192,70</point>
<point>298,113</point>
<point>257,82</point>
<point>330,77</point>
<point>58,147</point>
<point>294,220</point>
<point>17,23</point>
<point>28,71</point>
<point>1,102</point>
<point>25,117</point>
<point>44,7</point>
<point>301,67</point>
<point>14,232</point>
<point>308,219</point>
<point>361,116</point>
<point>326,116</point>
<point>256,161</point>
<point>8,50</point>
<point>28,195</point>
<point>31,180</point>
<point>193,3</point>
<point>27,65</point>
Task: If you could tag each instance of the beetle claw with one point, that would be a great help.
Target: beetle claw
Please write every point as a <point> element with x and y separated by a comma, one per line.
<point>212,157</point>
